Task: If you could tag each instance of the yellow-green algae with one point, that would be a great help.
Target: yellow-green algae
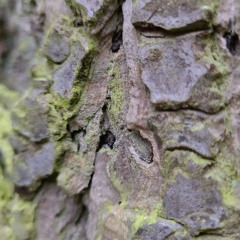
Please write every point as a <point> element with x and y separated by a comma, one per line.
<point>179,159</point>
<point>81,10</point>
<point>16,215</point>
<point>145,218</point>
<point>79,166</point>
<point>113,154</point>
<point>116,93</point>
<point>139,217</point>
<point>226,174</point>
<point>61,109</point>
<point>215,81</point>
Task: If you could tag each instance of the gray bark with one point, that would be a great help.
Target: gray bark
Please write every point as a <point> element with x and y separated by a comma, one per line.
<point>125,119</point>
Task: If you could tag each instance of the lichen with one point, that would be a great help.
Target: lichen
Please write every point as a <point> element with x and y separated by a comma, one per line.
<point>212,86</point>
<point>144,218</point>
<point>16,215</point>
<point>61,109</point>
<point>213,54</point>
<point>227,177</point>
<point>189,162</point>
<point>114,178</point>
<point>17,220</point>
<point>22,222</point>
<point>140,216</point>
<point>8,100</point>
<point>116,94</point>
<point>92,21</point>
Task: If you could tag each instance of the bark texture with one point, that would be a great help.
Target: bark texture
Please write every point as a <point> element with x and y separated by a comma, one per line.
<point>125,119</point>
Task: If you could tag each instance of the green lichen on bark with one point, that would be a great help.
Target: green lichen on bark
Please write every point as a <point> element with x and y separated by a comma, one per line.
<point>16,215</point>
<point>93,174</point>
<point>116,94</point>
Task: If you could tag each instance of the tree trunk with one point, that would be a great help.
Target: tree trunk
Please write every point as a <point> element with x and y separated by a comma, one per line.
<point>120,119</point>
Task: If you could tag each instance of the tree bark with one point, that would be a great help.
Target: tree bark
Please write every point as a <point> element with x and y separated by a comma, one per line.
<point>120,119</point>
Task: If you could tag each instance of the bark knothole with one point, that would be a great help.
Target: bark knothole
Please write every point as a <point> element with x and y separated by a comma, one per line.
<point>232,42</point>
<point>107,139</point>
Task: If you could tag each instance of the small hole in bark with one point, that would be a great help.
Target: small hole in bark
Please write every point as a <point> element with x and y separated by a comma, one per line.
<point>75,133</point>
<point>2,162</point>
<point>232,41</point>
<point>81,214</point>
<point>42,18</point>
<point>77,22</point>
<point>33,3</point>
<point>76,137</point>
<point>142,148</point>
<point>24,192</point>
<point>116,40</point>
<point>107,139</point>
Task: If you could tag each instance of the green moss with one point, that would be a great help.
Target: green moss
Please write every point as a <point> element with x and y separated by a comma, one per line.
<point>140,216</point>
<point>214,55</point>
<point>78,167</point>
<point>155,55</point>
<point>16,215</point>
<point>41,68</point>
<point>62,146</point>
<point>145,218</point>
<point>212,86</point>
<point>199,161</point>
<point>5,126</point>
<point>61,109</point>
<point>75,174</point>
<point>22,221</point>
<point>8,100</point>
<point>135,1</point>
<point>116,93</point>
<point>173,161</point>
<point>228,179</point>
<point>94,20</point>
<point>66,175</point>
<point>198,127</point>
<point>78,9</point>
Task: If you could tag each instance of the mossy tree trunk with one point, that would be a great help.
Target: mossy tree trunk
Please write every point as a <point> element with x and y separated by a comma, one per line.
<point>119,119</point>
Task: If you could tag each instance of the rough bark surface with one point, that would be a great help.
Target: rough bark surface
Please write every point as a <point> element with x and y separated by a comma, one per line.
<point>125,119</point>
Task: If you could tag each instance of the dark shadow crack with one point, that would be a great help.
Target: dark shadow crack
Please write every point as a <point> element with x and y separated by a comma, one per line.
<point>190,109</point>
<point>232,42</point>
<point>117,37</point>
<point>207,234</point>
<point>107,139</point>
<point>147,29</point>
<point>188,149</point>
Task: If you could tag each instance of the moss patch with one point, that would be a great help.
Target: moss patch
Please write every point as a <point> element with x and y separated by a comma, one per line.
<point>227,176</point>
<point>145,218</point>
<point>16,215</point>
<point>116,94</point>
